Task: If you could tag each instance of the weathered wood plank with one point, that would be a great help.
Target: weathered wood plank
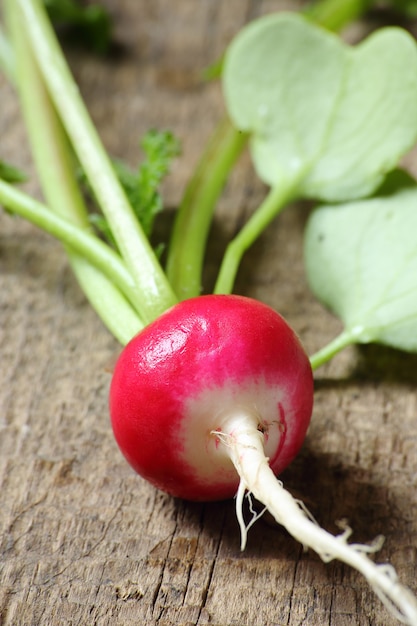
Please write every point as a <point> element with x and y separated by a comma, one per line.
<point>84,541</point>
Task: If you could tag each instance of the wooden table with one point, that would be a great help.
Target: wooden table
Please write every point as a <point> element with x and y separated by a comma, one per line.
<point>84,541</point>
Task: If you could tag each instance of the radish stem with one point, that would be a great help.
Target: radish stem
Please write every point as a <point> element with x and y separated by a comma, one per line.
<point>109,303</point>
<point>244,445</point>
<point>6,57</point>
<point>90,248</point>
<point>188,242</point>
<point>348,337</point>
<point>276,200</point>
<point>185,258</point>
<point>325,354</point>
<point>55,167</point>
<point>150,282</point>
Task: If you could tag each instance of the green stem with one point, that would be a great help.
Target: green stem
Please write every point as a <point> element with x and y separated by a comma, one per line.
<point>184,267</point>
<point>332,14</point>
<point>153,289</point>
<point>88,246</point>
<point>276,200</point>
<point>189,236</point>
<point>336,14</point>
<point>55,168</point>
<point>6,57</point>
<point>50,149</point>
<point>346,338</point>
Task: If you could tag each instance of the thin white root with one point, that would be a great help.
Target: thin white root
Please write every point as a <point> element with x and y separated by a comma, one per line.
<point>239,514</point>
<point>244,527</point>
<point>245,447</point>
<point>255,514</point>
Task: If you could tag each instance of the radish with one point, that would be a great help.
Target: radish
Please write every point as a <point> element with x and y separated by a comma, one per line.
<point>209,368</point>
<point>214,399</point>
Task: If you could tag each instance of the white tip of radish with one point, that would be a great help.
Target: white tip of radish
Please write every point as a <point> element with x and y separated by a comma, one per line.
<point>244,444</point>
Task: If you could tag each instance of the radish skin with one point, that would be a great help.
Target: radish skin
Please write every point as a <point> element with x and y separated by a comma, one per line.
<point>185,374</point>
<point>212,400</point>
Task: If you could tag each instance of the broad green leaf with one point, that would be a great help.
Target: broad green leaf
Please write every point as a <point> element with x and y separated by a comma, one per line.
<point>332,117</point>
<point>361,262</point>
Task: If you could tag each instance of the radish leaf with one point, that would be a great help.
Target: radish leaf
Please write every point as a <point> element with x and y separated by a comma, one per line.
<point>331,117</point>
<point>141,186</point>
<point>361,262</point>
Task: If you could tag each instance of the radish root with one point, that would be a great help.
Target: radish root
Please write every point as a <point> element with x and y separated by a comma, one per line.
<point>244,527</point>
<point>244,445</point>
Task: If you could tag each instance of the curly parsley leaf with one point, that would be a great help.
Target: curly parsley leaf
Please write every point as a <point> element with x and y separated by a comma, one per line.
<point>142,186</point>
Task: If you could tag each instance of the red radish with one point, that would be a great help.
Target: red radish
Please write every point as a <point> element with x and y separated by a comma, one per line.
<point>201,367</point>
<point>213,399</point>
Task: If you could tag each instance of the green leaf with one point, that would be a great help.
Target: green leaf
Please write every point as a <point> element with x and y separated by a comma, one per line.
<point>142,186</point>
<point>361,262</point>
<point>331,117</point>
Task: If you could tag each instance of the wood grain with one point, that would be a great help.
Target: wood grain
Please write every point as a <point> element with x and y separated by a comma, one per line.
<point>84,541</point>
